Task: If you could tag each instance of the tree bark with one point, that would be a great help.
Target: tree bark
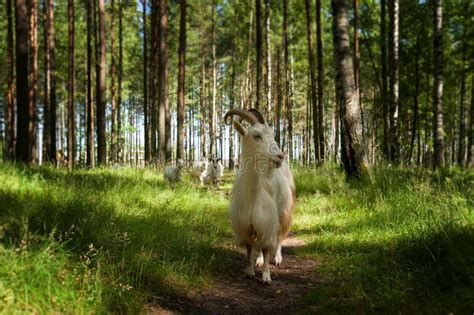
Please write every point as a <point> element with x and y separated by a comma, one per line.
<point>268,81</point>
<point>394,79</point>
<point>414,128</point>
<point>287,76</point>
<point>319,42</point>
<point>22,85</point>
<point>279,98</point>
<point>181,79</point>
<point>113,75</point>
<point>385,107</point>
<point>259,50</point>
<point>147,133</point>
<point>164,124</point>
<point>33,81</point>
<point>202,101</point>
<point>101,70</point>
<point>120,83</point>
<point>9,93</point>
<point>90,150</point>
<point>462,113</point>
<point>357,63</point>
<point>231,106</point>
<point>313,97</point>
<point>70,88</point>
<point>470,143</point>
<point>212,114</point>
<point>154,81</point>
<point>353,155</point>
<point>438,130</point>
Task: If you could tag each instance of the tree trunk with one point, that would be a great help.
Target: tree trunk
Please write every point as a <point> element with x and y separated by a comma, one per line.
<point>462,113</point>
<point>181,79</point>
<point>70,87</point>
<point>290,98</point>
<point>470,143</point>
<point>164,124</point>
<point>202,101</point>
<point>279,98</point>
<point>337,129</point>
<point>247,99</point>
<point>259,57</point>
<point>394,79</point>
<point>33,81</point>
<point>319,42</point>
<point>113,75</point>
<point>120,79</point>
<point>353,155</point>
<point>154,80</point>
<point>9,94</point>
<point>47,84</point>
<point>438,131</point>
<point>231,106</point>
<point>414,128</point>
<point>385,107</point>
<point>212,114</point>
<point>313,98</point>
<point>147,133</point>
<point>287,75</point>
<point>22,88</point>
<point>90,150</point>
<point>101,70</point>
<point>268,81</point>
<point>357,63</point>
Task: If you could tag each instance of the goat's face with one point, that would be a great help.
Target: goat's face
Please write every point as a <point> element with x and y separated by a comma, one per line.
<point>259,141</point>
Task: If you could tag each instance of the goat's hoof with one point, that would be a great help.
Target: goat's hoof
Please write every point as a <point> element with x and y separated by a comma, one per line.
<point>249,272</point>
<point>266,278</point>
<point>278,260</point>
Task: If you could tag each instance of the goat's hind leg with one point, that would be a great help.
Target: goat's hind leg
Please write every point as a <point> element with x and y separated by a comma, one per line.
<point>278,258</point>
<point>259,262</point>
<point>250,270</point>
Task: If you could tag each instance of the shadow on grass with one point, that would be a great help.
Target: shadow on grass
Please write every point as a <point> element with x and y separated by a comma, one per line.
<point>430,272</point>
<point>159,251</point>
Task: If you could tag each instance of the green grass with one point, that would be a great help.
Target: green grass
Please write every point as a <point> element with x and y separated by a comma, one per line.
<point>404,242</point>
<point>112,239</point>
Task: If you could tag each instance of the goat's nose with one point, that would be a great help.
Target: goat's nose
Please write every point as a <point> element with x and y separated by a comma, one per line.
<point>281,156</point>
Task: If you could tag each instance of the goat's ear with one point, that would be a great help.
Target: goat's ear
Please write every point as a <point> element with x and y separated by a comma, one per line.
<point>243,132</point>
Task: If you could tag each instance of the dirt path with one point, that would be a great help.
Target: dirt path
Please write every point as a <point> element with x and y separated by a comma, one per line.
<point>232,293</point>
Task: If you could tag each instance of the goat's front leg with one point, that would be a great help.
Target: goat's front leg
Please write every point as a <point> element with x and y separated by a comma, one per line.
<point>266,269</point>
<point>250,270</point>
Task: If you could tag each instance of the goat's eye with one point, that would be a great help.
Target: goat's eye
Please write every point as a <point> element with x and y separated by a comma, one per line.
<point>257,137</point>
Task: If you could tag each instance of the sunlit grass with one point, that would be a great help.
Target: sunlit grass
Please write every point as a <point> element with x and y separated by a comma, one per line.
<point>121,237</point>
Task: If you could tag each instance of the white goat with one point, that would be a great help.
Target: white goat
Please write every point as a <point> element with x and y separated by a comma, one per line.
<point>263,196</point>
<point>216,171</point>
<point>200,170</point>
<point>172,174</point>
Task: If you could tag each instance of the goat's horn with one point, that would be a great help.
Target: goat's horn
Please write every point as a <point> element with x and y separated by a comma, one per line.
<point>258,115</point>
<point>247,115</point>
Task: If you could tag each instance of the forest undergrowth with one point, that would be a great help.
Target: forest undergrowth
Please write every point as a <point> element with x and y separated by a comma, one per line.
<point>113,239</point>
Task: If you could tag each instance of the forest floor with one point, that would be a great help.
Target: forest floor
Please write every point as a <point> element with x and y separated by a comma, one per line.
<point>118,240</point>
<point>233,293</point>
